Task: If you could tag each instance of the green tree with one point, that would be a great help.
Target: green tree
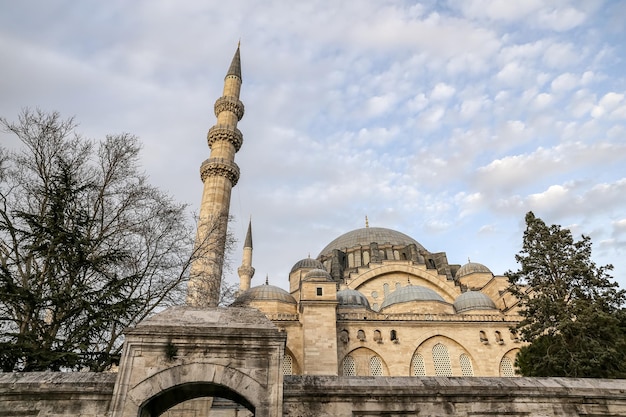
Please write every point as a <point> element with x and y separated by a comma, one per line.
<point>571,308</point>
<point>87,246</point>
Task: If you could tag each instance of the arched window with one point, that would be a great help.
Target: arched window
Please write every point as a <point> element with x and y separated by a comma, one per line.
<point>499,338</point>
<point>441,359</point>
<point>417,365</point>
<point>378,337</point>
<point>360,335</point>
<point>483,338</point>
<point>393,335</point>
<point>376,366</point>
<point>344,336</point>
<point>287,365</point>
<point>466,365</point>
<point>506,367</point>
<point>349,367</point>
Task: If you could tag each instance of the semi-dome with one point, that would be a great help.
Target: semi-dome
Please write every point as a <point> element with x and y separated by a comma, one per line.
<point>473,300</point>
<point>352,298</point>
<point>411,293</point>
<point>317,274</point>
<point>264,293</point>
<point>367,235</point>
<point>307,263</point>
<point>471,268</point>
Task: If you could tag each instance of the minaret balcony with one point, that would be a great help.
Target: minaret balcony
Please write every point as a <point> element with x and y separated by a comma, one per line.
<point>227,133</point>
<point>231,104</point>
<point>220,167</point>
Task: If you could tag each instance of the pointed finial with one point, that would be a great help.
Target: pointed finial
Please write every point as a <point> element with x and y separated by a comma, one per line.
<point>367,223</point>
<point>309,255</point>
<point>468,260</point>
<point>267,279</point>
<point>248,242</point>
<point>235,65</point>
<point>239,44</point>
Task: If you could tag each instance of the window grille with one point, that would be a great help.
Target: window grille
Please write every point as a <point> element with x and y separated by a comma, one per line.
<point>417,365</point>
<point>376,366</point>
<point>349,367</point>
<point>466,365</point>
<point>506,367</point>
<point>441,359</point>
<point>287,365</point>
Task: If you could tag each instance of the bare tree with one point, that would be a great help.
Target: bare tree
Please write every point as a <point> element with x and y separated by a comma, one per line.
<point>87,246</point>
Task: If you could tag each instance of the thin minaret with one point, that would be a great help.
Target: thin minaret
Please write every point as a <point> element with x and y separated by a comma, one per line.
<point>219,174</point>
<point>246,271</point>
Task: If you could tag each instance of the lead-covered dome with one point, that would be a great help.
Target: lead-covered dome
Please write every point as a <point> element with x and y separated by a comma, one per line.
<point>473,300</point>
<point>263,293</point>
<point>367,235</point>
<point>318,274</point>
<point>411,293</point>
<point>307,263</point>
<point>472,268</point>
<point>352,298</point>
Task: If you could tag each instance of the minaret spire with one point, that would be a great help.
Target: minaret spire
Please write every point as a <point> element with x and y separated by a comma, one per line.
<point>246,271</point>
<point>219,175</point>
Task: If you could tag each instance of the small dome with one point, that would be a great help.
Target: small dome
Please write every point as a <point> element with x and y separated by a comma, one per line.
<point>263,293</point>
<point>411,293</point>
<point>367,235</point>
<point>352,298</point>
<point>471,268</point>
<point>307,263</point>
<point>473,300</point>
<point>317,274</point>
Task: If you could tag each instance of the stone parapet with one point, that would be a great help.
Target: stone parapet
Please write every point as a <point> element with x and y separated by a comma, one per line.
<point>309,396</point>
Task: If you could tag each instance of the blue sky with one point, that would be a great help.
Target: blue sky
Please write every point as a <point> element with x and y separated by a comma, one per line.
<point>445,120</point>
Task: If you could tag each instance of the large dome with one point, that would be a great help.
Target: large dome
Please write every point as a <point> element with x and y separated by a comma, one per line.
<point>473,300</point>
<point>471,268</point>
<point>411,293</point>
<point>307,263</point>
<point>367,235</point>
<point>264,293</point>
<point>352,298</point>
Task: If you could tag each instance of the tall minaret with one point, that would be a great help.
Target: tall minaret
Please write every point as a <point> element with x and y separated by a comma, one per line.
<point>219,174</point>
<point>246,271</point>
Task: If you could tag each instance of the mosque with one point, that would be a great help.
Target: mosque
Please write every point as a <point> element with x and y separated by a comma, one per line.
<point>374,302</point>
<point>375,325</point>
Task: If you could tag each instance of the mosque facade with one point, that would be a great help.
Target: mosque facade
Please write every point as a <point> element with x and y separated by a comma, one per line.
<point>376,302</point>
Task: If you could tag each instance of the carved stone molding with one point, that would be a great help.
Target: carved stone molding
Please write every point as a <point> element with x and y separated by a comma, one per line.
<point>220,167</point>
<point>233,135</point>
<point>228,103</point>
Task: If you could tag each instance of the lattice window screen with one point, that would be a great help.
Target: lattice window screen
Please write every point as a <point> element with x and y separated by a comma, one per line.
<point>466,365</point>
<point>376,366</point>
<point>349,367</point>
<point>287,365</point>
<point>417,365</point>
<point>441,359</point>
<point>506,367</point>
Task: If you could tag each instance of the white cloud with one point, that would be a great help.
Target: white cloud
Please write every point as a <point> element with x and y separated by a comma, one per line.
<point>564,82</point>
<point>442,92</point>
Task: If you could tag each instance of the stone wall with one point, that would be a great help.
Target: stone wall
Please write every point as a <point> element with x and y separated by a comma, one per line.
<point>55,394</point>
<point>89,395</point>
<point>309,396</point>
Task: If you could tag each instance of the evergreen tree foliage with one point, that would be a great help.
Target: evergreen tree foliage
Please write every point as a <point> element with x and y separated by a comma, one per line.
<point>87,246</point>
<point>572,310</point>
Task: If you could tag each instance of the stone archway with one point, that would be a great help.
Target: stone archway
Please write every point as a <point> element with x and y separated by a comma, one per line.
<point>231,353</point>
<point>172,386</point>
<point>173,396</point>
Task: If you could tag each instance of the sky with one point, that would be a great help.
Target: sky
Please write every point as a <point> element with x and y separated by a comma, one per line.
<point>444,120</point>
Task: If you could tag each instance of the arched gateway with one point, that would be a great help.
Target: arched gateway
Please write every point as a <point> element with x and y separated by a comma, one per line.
<point>185,353</point>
